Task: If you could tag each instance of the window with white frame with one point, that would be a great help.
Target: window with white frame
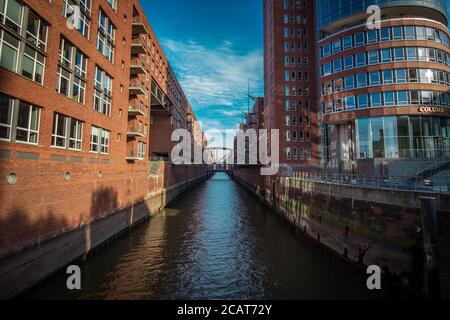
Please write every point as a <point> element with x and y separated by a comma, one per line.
<point>99,140</point>
<point>106,36</point>
<point>102,92</point>
<point>71,76</point>
<point>80,17</point>
<point>11,15</point>
<point>23,40</point>
<point>67,132</point>
<point>141,150</point>
<point>6,117</point>
<point>19,120</point>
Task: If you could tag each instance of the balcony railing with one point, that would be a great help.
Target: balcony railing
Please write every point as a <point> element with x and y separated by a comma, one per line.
<point>137,66</point>
<point>138,46</point>
<point>136,109</point>
<point>135,130</point>
<point>139,26</point>
<point>137,87</point>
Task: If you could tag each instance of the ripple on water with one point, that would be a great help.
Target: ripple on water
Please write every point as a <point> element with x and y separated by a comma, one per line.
<point>216,242</point>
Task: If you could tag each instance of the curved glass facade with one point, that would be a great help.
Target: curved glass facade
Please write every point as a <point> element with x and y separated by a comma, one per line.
<point>331,11</point>
<point>402,137</point>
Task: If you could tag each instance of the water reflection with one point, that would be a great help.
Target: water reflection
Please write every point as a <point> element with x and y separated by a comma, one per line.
<point>217,242</point>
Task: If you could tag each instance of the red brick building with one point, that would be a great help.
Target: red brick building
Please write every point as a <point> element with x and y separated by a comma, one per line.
<point>290,80</point>
<point>85,102</point>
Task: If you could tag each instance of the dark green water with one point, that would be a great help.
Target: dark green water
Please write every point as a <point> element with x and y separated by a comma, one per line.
<point>217,242</point>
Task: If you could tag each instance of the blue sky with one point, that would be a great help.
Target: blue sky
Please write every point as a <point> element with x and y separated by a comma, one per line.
<point>214,47</point>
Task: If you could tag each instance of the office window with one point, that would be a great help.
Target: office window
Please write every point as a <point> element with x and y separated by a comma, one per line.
<point>82,23</point>
<point>397,33</point>
<point>389,98</point>
<point>411,54</point>
<point>19,121</point>
<point>102,92</point>
<point>9,51</point>
<point>337,65</point>
<point>373,57</point>
<point>388,77</point>
<point>348,62</point>
<point>412,75</point>
<point>348,82</point>
<point>141,150</point>
<point>359,39</point>
<point>106,36</point>
<point>288,153</point>
<point>6,117</point>
<point>385,34</point>
<point>347,42</point>
<point>410,33</point>
<point>362,101</point>
<point>372,36</point>
<point>399,54</point>
<point>402,97</point>
<point>71,76</point>
<point>361,80</point>
<point>67,132</point>
<point>374,78</point>
<point>400,75</point>
<point>349,103</point>
<point>375,99</point>
<point>99,140</point>
<point>422,53</point>
<point>36,33</point>
<point>360,58</point>
<point>24,54</point>
<point>415,97</point>
<point>326,50</point>
<point>11,14</point>
<point>386,55</point>
<point>336,46</point>
<point>326,69</point>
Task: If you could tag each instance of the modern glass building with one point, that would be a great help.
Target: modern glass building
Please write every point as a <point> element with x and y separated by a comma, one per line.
<point>384,93</point>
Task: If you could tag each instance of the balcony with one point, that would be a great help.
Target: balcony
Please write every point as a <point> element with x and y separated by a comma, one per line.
<point>138,46</point>
<point>137,109</point>
<point>133,156</point>
<point>137,66</point>
<point>138,26</point>
<point>135,130</point>
<point>137,87</point>
<point>160,102</point>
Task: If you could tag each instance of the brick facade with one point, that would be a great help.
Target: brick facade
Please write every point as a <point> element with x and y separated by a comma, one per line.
<point>46,191</point>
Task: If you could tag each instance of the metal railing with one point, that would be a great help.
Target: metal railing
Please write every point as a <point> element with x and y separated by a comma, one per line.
<point>392,182</point>
<point>136,107</point>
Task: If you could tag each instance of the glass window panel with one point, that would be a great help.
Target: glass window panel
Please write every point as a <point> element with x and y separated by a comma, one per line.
<point>389,98</point>
<point>374,78</point>
<point>364,145</point>
<point>377,130</point>
<point>388,76</point>
<point>375,100</point>
<point>9,57</point>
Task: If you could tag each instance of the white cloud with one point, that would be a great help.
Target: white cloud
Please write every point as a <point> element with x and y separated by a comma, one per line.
<point>215,76</point>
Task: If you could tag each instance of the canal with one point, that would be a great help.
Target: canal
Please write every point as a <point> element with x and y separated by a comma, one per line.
<point>216,242</point>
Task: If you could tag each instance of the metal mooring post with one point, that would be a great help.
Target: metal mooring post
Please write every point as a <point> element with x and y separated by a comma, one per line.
<point>430,238</point>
